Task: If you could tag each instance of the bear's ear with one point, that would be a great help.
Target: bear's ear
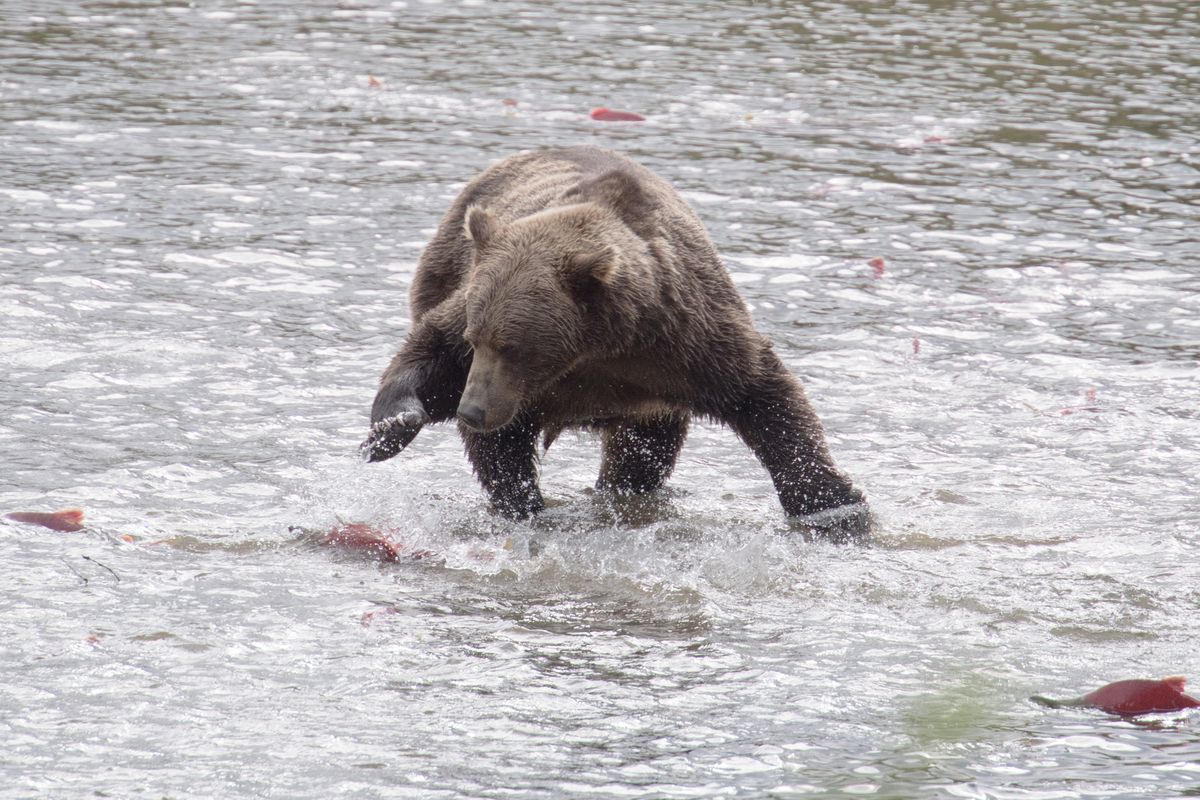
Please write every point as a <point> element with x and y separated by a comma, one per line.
<point>588,272</point>
<point>480,226</point>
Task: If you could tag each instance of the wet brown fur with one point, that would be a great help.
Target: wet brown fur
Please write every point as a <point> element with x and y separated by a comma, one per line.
<point>574,288</point>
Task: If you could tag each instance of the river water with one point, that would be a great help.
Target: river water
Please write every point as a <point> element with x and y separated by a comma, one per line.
<point>211,215</point>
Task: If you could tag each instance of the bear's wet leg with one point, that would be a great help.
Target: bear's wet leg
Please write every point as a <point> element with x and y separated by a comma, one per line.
<point>505,463</point>
<point>639,456</point>
<point>775,419</point>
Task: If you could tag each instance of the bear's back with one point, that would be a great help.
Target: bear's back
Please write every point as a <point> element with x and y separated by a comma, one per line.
<point>533,181</point>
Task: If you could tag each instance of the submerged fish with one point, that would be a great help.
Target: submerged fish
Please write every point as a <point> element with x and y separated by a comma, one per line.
<point>67,520</point>
<point>361,537</point>
<point>1131,698</point>
<point>603,114</point>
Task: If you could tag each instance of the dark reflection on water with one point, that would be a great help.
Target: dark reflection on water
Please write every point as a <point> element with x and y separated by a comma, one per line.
<point>211,213</point>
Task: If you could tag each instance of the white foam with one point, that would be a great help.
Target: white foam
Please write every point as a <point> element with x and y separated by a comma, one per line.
<point>182,473</point>
<point>948,255</point>
<point>187,259</point>
<point>786,261</point>
<point>1089,742</point>
<point>1112,247</point>
<point>1057,243</point>
<point>704,198</point>
<point>306,156</point>
<point>51,125</point>
<point>26,195</point>
<point>258,257</point>
<point>79,380</point>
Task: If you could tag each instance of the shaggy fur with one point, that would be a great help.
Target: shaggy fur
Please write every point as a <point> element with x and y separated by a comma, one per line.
<point>574,288</point>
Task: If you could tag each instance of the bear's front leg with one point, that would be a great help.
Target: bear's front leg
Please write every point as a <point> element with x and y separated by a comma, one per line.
<point>422,384</point>
<point>505,461</point>
<point>775,419</point>
<point>639,455</point>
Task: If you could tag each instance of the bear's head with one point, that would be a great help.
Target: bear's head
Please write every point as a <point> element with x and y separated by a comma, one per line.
<point>531,297</point>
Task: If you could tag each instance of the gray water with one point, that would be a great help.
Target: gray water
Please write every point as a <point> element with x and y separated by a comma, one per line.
<point>211,215</point>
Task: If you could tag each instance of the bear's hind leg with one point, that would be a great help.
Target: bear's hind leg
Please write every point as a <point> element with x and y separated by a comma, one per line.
<point>505,463</point>
<point>640,455</point>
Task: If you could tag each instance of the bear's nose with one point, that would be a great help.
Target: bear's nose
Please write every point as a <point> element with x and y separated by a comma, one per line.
<point>471,415</point>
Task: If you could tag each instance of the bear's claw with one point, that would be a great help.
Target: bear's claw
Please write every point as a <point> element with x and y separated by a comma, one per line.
<point>389,436</point>
<point>412,419</point>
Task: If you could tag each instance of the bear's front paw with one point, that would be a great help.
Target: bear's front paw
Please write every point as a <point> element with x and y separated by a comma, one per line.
<point>391,435</point>
<point>848,524</point>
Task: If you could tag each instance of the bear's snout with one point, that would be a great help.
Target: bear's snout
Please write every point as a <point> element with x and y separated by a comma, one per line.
<point>492,395</point>
<point>472,416</point>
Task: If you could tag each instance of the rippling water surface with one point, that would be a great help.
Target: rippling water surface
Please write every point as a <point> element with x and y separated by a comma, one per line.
<point>211,215</point>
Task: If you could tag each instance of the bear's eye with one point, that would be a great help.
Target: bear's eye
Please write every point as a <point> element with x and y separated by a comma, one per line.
<point>506,350</point>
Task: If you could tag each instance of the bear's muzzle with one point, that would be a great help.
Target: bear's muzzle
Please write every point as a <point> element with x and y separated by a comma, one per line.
<point>472,416</point>
<point>492,395</point>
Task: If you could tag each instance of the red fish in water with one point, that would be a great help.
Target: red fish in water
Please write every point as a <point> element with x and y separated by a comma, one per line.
<point>359,536</point>
<point>1133,697</point>
<point>67,520</point>
<point>363,538</point>
<point>603,114</point>
<point>371,616</point>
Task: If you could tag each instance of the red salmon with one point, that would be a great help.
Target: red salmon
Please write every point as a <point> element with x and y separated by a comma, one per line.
<point>1133,697</point>
<point>67,520</point>
<point>609,115</point>
<point>358,536</point>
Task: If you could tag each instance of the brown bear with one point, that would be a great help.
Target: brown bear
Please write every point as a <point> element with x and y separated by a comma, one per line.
<point>573,287</point>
